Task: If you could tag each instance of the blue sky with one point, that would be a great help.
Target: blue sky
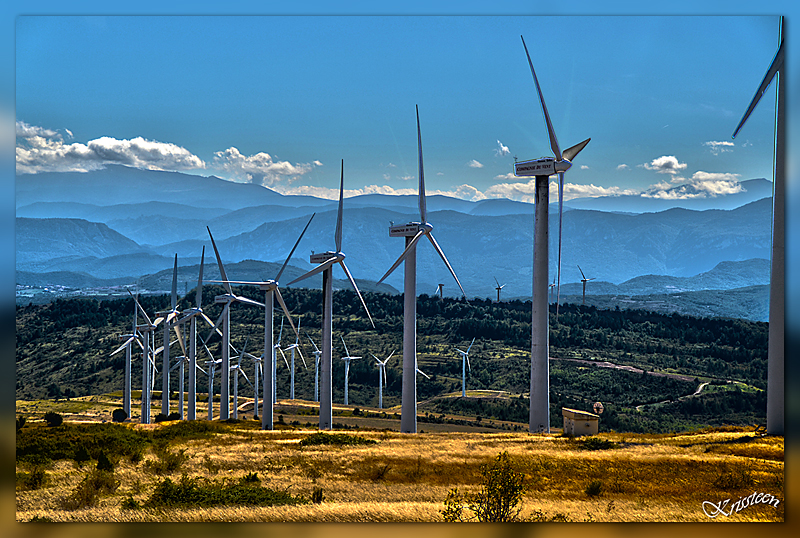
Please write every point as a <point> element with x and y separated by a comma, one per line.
<point>280,100</point>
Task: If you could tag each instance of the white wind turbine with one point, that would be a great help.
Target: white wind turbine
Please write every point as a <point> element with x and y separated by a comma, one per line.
<point>542,169</point>
<point>464,366</point>
<point>191,316</point>
<point>326,261</point>
<point>272,291</point>
<point>225,317</point>
<point>275,349</point>
<point>498,288</point>
<point>381,376</point>
<point>317,353</point>
<point>169,316</point>
<point>584,280</point>
<point>237,369</point>
<point>413,232</point>
<point>347,358</point>
<point>776,346</point>
<point>148,362</point>
<point>212,366</point>
<point>293,347</point>
<point>130,339</point>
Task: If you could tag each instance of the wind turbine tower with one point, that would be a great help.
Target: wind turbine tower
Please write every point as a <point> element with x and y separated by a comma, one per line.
<point>464,366</point>
<point>776,349</point>
<point>326,261</point>
<point>584,280</point>
<point>381,376</point>
<point>347,358</point>
<point>170,315</point>
<point>498,288</point>
<point>413,232</point>
<point>542,169</point>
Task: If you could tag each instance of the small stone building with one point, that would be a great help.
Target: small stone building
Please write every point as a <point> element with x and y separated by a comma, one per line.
<point>579,422</point>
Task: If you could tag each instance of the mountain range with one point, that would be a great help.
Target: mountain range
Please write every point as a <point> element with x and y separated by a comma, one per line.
<point>122,223</point>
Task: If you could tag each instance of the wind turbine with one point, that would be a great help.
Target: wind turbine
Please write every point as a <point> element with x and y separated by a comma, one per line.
<point>130,338</point>
<point>413,232</point>
<point>317,354</point>
<point>465,362</point>
<point>775,351</point>
<point>271,291</point>
<point>542,169</point>
<point>225,317</point>
<point>326,261</point>
<point>181,361</point>
<point>584,280</point>
<point>347,358</point>
<point>191,316</point>
<point>147,360</point>
<point>381,376</point>
<point>170,315</point>
<point>440,291</point>
<point>550,288</point>
<point>498,288</point>
<point>293,347</point>
<point>238,371</point>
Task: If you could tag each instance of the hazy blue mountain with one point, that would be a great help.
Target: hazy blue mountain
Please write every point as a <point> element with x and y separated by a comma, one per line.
<point>45,239</point>
<point>753,190</point>
<point>108,213</point>
<point>122,265</point>
<point>68,279</point>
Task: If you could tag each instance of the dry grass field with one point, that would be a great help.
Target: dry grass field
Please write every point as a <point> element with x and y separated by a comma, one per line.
<point>406,478</point>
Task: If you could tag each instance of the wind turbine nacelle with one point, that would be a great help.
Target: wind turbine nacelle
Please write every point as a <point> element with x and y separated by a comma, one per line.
<point>269,285</point>
<point>537,167</point>
<point>322,257</point>
<point>407,230</point>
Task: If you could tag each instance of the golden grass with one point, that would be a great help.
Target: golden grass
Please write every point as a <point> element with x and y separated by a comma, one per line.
<point>406,477</point>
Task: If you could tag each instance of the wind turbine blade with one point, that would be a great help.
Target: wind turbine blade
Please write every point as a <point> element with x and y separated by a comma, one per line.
<point>496,282</point>
<point>466,356</point>
<point>345,346</point>
<point>215,326</point>
<point>286,311</point>
<point>550,130</point>
<point>284,358</point>
<point>353,282</point>
<point>312,342</point>
<point>199,296</point>
<point>289,257</point>
<point>219,263</point>
<point>246,300</point>
<point>180,338</point>
<point>207,319</point>
<point>123,346</point>
<point>581,270</point>
<point>176,365</point>
<point>777,63</point>
<point>140,308</point>
<point>175,283</point>
<point>447,263</point>
<point>318,269</point>
<point>158,321</point>
<point>301,356</point>
<point>423,211</point>
<point>404,255</point>
<point>570,153</point>
<point>423,373</point>
<point>389,357</point>
<point>280,333</point>
<point>470,346</point>
<point>338,235</point>
<point>244,375</point>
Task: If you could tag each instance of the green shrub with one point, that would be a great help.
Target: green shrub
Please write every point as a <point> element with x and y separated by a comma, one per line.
<point>119,415</point>
<point>594,489</point>
<point>339,439</point>
<point>317,496</point>
<point>82,455</point>
<point>53,419</point>
<point>130,504</point>
<point>168,461</point>
<point>35,478</point>
<point>86,493</point>
<point>198,492</point>
<point>499,499</point>
<point>598,443</point>
<point>161,417</point>
<point>20,423</point>
<point>174,416</point>
<point>104,464</point>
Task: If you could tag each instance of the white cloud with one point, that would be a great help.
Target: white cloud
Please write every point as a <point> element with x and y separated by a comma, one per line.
<point>474,164</point>
<point>501,150</point>
<point>525,192</point>
<point>406,178</point>
<point>333,193</point>
<point>43,150</point>
<point>386,177</point>
<point>259,168</point>
<point>584,167</point>
<point>701,185</point>
<point>716,147</point>
<point>622,167</point>
<point>666,164</point>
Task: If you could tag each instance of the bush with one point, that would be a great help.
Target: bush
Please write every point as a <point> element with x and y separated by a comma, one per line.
<point>119,415</point>
<point>168,461</point>
<point>20,423</point>
<point>499,499</point>
<point>33,479</point>
<point>317,496</point>
<point>53,419</point>
<point>82,455</point>
<point>103,463</point>
<point>195,492</point>
<point>86,493</point>
<point>161,417</point>
<point>598,443</point>
<point>130,504</point>
<point>594,489</point>
<point>339,439</point>
<point>174,416</point>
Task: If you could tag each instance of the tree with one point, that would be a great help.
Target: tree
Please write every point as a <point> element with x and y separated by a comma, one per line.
<point>499,499</point>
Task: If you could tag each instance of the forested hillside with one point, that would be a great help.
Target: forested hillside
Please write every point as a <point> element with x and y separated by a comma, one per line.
<point>643,366</point>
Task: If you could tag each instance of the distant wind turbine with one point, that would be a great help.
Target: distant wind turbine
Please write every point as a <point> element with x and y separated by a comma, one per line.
<point>413,232</point>
<point>498,288</point>
<point>326,261</point>
<point>317,353</point>
<point>584,280</point>
<point>381,376</point>
<point>465,362</point>
<point>542,169</point>
<point>170,315</point>
<point>147,359</point>
<point>347,358</point>
<point>130,339</point>
<point>776,346</point>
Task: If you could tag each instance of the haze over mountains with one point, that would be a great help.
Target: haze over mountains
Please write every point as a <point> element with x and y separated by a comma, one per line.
<point>121,224</point>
